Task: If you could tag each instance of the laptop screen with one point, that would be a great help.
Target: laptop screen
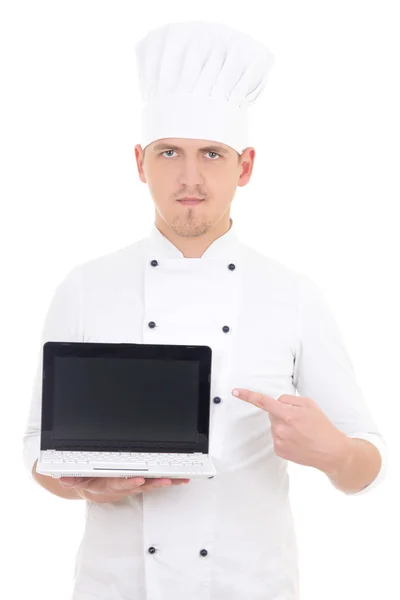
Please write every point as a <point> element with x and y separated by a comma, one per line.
<point>125,399</point>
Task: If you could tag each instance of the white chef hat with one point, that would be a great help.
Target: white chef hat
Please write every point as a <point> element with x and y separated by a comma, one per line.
<point>197,79</point>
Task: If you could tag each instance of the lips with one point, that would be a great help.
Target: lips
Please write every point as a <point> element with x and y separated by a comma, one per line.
<point>190,201</point>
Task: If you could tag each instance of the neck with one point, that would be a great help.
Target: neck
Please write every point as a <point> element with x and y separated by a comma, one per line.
<point>193,245</point>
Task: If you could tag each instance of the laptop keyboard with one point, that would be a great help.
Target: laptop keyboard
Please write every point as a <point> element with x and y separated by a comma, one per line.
<point>131,458</point>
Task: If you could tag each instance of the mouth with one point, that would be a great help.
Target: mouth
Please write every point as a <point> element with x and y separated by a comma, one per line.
<point>190,201</point>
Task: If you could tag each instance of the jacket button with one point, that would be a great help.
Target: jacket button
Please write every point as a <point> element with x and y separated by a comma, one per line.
<point>217,399</point>
<point>203,552</point>
<point>152,549</point>
<point>225,329</point>
<point>231,267</point>
<point>154,263</point>
<point>152,324</point>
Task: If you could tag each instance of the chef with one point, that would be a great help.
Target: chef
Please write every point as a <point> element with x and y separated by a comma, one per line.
<point>273,338</point>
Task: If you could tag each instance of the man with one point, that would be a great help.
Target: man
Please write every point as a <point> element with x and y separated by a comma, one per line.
<point>192,281</point>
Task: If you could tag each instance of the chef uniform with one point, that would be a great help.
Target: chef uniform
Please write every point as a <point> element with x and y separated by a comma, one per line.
<point>230,537</point>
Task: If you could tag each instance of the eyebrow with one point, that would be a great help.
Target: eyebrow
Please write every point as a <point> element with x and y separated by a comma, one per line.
<point>218,149</point>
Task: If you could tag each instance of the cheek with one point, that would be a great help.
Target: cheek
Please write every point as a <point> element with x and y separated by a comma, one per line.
<point>161,182</point>
<point>220,180</point>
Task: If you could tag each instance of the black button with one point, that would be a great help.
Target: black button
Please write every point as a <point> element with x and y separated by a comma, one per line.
<point>152,549</point>
<point>231,267</point>
<point>217,399</point>
<point>154,263</point>
<point>225,329</point>
<point>203,552</point>
<point>152,324</point>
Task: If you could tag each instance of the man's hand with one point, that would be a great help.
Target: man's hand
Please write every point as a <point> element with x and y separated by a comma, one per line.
<point>113,489</point>
<point>301,431</point>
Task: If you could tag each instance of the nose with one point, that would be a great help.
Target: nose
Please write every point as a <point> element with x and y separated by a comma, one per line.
<point>191,175</point>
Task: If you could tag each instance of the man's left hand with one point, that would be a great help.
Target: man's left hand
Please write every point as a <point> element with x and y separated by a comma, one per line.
<point>301,431</point>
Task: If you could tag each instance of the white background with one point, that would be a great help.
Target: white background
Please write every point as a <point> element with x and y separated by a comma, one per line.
<point>323,199</point>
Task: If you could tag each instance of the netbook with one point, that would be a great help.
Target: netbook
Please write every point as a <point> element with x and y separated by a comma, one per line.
<point>125,410</point>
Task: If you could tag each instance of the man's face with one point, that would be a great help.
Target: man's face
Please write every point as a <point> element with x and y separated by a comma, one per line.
<point>177,167</point>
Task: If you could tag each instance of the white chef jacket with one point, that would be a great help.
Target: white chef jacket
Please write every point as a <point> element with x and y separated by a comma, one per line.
<point>232,536</point>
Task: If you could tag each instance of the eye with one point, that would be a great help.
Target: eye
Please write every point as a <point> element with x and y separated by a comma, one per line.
<point>212,152</point>
<point>167,151</point>
<point>209,152</point>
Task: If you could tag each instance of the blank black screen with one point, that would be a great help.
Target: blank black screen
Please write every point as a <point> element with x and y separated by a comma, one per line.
<point>125,399</point>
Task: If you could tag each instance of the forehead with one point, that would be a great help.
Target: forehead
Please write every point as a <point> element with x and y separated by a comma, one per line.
<point>187,144</point>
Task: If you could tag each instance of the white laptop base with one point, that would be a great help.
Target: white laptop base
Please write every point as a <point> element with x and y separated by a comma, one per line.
<point>176,465</point>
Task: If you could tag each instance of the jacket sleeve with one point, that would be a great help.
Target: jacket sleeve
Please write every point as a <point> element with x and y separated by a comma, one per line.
<point>63,322</point>
<point>323,371</point>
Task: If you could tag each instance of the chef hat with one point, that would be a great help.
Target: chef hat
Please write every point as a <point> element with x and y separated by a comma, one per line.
<point>197,79</point>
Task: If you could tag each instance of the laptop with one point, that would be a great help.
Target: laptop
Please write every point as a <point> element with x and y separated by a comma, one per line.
<point>125,410</point>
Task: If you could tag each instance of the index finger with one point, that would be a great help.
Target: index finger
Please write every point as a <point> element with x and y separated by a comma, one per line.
<point>74,481</point>
<point>267,403</point>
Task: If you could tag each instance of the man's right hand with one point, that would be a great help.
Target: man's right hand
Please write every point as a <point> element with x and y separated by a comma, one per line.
<point>113,489</point>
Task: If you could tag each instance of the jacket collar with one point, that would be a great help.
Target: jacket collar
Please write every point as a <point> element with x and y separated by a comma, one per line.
<point>223,246</point>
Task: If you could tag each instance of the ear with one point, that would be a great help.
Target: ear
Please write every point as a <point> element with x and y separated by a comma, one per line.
<point>139,154</point>
<point>247,163</point>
